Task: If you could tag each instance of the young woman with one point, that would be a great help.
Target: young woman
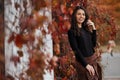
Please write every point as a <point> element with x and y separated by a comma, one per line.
<point>83,41</point>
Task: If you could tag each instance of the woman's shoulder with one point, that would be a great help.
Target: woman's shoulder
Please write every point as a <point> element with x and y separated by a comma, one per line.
<point>70,31</point>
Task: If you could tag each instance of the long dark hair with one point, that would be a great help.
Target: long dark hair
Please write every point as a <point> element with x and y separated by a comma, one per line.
<point>74,25</point>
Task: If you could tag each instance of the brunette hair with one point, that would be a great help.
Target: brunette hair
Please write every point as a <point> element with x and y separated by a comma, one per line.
<point>74,25</point>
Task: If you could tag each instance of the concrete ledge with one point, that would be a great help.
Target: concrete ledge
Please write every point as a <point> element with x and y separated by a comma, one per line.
<point>111,79</point>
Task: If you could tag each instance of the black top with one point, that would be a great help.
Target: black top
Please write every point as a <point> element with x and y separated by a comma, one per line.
<point>83,45</point>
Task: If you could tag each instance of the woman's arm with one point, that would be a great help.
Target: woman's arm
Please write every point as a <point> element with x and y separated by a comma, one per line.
<point>74,46</point>
<point>94,37</point>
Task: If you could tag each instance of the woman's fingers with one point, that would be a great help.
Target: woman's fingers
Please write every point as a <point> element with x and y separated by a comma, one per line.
<point>91,70</point>
<point>90,23</point>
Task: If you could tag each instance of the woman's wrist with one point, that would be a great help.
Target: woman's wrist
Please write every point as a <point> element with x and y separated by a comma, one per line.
<point>91,24</point>
<point>94,28</point>
<point>87,66</point>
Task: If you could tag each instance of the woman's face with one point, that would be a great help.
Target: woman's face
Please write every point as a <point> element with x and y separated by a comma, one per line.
<point>80,16</point>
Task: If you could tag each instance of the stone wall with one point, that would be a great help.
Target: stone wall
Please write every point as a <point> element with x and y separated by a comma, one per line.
<point>12,16</point>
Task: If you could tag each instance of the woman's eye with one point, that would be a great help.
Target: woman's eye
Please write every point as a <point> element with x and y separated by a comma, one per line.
<point>81,14</point>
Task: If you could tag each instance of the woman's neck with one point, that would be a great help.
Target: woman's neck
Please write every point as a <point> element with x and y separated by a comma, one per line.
<point>79,25</point>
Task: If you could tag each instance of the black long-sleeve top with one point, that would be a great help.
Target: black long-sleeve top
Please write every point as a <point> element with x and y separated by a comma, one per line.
<point>83,45</point>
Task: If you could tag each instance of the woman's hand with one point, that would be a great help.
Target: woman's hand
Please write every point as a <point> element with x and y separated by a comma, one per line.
<point>90,70</point>
<point>91,24</point>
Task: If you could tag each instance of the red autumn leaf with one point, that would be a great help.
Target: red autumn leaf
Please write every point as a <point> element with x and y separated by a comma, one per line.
<point>15,59</point>
<point>63,9</point>
<point>24,4</point>
<point>57,49</point>
<point>65,78</point>
<point>26,38</point>
<point>17,6</point>
<point>9,77</point>
<point>20,53</point>
<point>70,11</point>
<point>19,41</point>
<point>44,32</point>
<point>40,19</point>
<point>11,38</point>
<point>60,18</point>
<point>51,28</point>
<point>53,61</point>
<point>56,38</point>
<point>32,64</point>
<point>38,4</point>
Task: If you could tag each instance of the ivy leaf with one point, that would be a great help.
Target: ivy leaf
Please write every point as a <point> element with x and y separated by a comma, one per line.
<point>15,59</point>
<point>20,53</point>
<point>32,64</point>
<point>19,41</point>
<point>17,6</point>
<point>38,4</point>
<point>11,38</point>
<point>57,49</point>
<point>9,77</point>
<point>24,4</point>
<point>40,19</point>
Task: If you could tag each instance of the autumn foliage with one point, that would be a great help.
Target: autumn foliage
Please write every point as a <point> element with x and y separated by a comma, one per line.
<point>61,16</point>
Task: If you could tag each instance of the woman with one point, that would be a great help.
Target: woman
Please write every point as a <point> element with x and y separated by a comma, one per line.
<point>83,41</point>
